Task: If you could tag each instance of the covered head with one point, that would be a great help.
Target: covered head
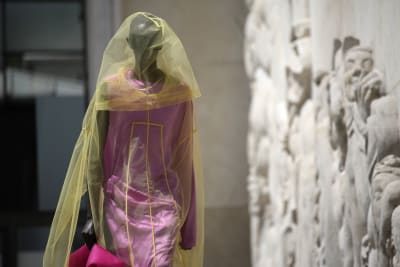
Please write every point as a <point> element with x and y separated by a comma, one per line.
<point>144,47</point>
<point>146,40</point>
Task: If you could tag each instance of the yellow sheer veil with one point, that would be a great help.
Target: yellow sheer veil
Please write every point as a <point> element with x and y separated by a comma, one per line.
<point>171,60</point>
<point>85,171</point>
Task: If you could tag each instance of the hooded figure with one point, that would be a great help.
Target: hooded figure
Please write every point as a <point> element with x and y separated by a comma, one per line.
<point>137,155</point>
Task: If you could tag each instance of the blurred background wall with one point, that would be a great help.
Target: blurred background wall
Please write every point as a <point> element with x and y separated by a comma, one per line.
<point>212,34</point>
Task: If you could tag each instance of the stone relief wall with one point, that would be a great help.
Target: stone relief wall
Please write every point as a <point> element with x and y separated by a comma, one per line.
<point>324,132</point>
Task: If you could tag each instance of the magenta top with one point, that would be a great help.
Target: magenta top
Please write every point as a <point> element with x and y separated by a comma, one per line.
<point>142,188</point>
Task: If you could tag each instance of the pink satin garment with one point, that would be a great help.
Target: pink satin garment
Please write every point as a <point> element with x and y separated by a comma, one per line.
<point>144,224</point>
<point>151,237</point>
<point>96,257</point>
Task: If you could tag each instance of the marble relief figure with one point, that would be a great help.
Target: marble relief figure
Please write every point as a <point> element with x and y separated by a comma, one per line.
<point>301,143</point>
<point>262,116</point>
<point>331,150</point>
<point>362,85</point>
<point>384,175</point>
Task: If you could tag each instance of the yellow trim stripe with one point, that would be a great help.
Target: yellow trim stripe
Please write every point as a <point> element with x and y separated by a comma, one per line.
<point>131,256</point>
<point>165,168</point>
<point>148,188</point>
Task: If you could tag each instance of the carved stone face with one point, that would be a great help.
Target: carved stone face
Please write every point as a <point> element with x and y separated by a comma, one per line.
<point>296,92</point>
<point>396,235</point>
<point>379,183</point>
<point>358,63</point>
<point>385,172</point>
<point>365,251</point>
<point>362,83</point>
<point>299,71</point>
<point>301,42</point>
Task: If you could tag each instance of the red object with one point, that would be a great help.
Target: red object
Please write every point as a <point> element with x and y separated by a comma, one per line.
<point>97,257</point>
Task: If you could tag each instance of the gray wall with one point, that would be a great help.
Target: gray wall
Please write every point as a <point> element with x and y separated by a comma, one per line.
<point>58,121</point>
<point>103,17</point>
<point>28,26</point>
<point>212,33</point>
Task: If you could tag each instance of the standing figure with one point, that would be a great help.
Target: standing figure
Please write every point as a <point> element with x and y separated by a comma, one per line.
<point>137,155</point>
<point>363,84</point>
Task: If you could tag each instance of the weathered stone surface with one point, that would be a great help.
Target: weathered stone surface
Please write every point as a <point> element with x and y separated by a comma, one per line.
<point>324,138</point>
